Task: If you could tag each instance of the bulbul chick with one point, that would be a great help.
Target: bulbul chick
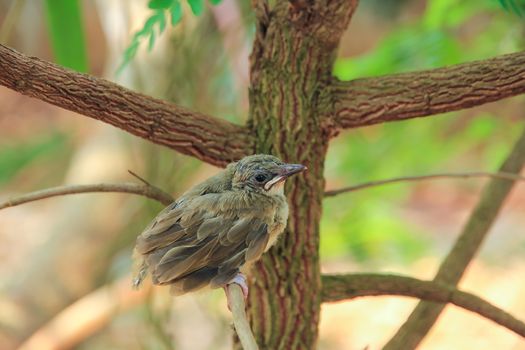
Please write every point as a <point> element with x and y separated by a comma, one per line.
<point>218,228</point>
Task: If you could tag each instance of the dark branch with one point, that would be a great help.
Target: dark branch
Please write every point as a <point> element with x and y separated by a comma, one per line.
<point>419,94</point>
<point>148,191</point>
<point>344,287</point>
<point>468,243</point>
<point>212,140</point>
<point>365,185</point>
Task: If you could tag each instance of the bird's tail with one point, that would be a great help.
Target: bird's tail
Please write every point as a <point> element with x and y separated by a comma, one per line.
<point>140,270</point>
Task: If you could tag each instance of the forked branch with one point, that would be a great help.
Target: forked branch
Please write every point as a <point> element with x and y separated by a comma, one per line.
<point>418,94</point>
<point>212,140</point>
<point>345,287</point>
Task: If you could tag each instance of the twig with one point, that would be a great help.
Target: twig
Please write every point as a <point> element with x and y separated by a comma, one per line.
<point>498,175</point>
<point>141,179</point>
<point>240,321</point>
<point>468,243</point>
<point>150,191</point>
<point>344,287</point>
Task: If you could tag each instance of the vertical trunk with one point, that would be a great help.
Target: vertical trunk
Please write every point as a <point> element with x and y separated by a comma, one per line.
<point>290,113</point>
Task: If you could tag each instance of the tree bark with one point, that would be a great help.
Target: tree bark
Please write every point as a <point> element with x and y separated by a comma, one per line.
<point>290,106</point>
<point>418,94</point>
<point>209,139</point>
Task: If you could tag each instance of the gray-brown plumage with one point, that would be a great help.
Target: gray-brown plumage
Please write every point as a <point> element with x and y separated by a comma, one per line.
<point>215,230</point>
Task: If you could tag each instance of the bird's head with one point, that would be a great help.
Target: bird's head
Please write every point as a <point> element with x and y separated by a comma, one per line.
<point>263,173</point>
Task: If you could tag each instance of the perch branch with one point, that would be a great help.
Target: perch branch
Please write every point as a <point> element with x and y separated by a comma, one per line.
<point>240,320</point>
<point>343,287</point>
<point>364,185</point>
<point>417,94</point>
<point>148,191</point>
<point>209,139</point>
<point>453,266</point>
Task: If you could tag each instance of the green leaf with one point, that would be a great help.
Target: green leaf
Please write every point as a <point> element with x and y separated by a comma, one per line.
<point>161,22</point>
<point>176,12</point>
<point>215,2</point>
<point>67,33</point>
<point>151,41</point>
<point>197,6</point>
<point>159,4</point>
<point>504,4</point>
<point>515,6</point>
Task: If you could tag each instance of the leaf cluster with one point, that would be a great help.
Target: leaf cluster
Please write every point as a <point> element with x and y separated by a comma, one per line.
<point>156,23</point>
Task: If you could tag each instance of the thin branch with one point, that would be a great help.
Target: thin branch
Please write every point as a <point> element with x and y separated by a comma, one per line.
<point>344,287</point>
<point>209,139</point>
<point>150,191</point>
<point>499,175</point>
<point>468,243</point>
<point>240,320</point>
<point>419,94</point>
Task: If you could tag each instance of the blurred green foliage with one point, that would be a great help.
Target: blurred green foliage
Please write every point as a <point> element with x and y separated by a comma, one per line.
<point>370,225</point>
<point>15,157</point>
<point>515,6</point>
<point>67,33</point>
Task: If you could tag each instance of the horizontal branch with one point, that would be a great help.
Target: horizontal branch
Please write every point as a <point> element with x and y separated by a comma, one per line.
<point>417,94</point>
<point>500,175</point>
<point>148,191</point>
<point>209,139</point>
<point>343,287</point>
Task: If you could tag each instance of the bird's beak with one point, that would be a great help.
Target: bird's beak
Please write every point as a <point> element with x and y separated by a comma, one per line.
<point>285,171</point>
<point>288,170</point>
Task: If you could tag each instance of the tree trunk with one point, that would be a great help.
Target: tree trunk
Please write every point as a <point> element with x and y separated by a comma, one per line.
<point>290,113</point>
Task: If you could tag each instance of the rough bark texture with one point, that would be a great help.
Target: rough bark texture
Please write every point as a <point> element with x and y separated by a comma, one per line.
<point>453,267</point>
<point>212,140</point>
<point>290,105</point>
<point>345,287</point>
<point>418,94</point>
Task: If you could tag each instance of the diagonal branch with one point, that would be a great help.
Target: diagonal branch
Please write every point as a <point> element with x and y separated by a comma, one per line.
<point>209,139</point>
<point>364,185</point>
<point>468,243</point>
<point>419,94</point>
<point>148,191</point>
<point>344,287</point>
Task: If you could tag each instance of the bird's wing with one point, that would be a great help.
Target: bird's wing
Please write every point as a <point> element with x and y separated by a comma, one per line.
<point>191,244</point>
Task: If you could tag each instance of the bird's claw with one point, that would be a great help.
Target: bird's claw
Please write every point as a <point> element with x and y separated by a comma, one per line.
<point>240,280</point>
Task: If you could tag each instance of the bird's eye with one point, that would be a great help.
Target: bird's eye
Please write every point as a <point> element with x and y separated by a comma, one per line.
<point>260,178</point>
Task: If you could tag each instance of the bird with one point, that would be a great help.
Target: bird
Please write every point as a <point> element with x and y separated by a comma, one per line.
<point>213,233</point>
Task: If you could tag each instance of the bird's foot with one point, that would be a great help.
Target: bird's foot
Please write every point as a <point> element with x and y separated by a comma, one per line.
<point>239,280</point>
